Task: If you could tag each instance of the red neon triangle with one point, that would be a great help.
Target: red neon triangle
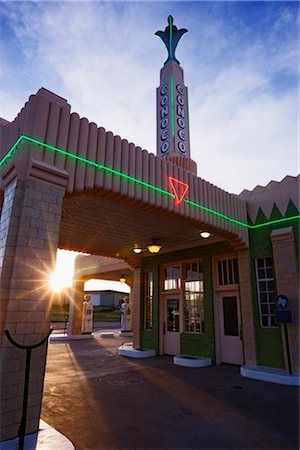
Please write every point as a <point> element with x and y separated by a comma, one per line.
<point>179,189</point>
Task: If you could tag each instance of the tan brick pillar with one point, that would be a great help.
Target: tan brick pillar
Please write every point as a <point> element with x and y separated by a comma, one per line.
<point>287,283</point>
<point>249,339</point>
<point>75,309</point>
<point>136,302</point>
<point>29,230</point>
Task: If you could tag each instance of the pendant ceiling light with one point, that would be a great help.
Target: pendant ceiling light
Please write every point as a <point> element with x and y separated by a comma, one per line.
<point>205,234</point>
<point>154,247</point>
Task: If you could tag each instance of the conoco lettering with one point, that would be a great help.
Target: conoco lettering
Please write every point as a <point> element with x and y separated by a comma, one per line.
<point>181,134</point>
<point>164,123</point>
<point>181,147</point>
<point>179,89</point>
<point>164,147</point>
<point>164,89</point>
<point>180,111</point>
<point>164,100</point>
<point>164,135</point>
<point>181,122</point>
<point>164,111</point>
<point>180,100</point>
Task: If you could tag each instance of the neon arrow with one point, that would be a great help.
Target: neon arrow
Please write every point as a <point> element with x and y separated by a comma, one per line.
<point>178,188</point>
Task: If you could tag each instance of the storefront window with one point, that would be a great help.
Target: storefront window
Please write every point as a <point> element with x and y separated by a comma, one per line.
<point>172,278</point>
<point>193,298</point>
<point>148,296</point>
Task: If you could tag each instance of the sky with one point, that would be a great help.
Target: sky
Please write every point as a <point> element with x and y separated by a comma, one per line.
<point>240,63</point>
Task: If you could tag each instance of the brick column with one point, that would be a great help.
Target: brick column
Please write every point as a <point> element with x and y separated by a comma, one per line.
<point>249,339</point>
<point>29,230</point>
<point>287,283</point>
<point>136,302</point>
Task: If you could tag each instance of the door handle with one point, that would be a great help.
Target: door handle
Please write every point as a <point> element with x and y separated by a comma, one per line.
<point>164,328</point>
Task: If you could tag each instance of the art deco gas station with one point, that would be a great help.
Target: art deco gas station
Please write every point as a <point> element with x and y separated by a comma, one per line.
<point>68,183</point>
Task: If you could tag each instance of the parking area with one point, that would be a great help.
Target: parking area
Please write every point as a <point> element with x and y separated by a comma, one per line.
<point>101,400</point>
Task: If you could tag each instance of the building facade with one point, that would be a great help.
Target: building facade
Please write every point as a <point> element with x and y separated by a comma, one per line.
<point>67,183</point>
<point>212,301</point>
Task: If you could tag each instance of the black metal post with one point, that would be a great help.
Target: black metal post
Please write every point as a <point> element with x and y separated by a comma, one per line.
<point>28,348</point>
<point>288,354</point>
<point>21,432</point>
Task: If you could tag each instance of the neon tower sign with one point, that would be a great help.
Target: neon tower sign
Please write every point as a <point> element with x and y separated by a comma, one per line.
<point>173,138</point>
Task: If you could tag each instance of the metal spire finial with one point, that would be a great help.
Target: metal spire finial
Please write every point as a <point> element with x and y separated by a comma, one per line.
<point>170,38</point>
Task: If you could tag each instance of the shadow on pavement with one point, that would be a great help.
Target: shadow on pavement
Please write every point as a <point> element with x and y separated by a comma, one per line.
<point>101,400</point>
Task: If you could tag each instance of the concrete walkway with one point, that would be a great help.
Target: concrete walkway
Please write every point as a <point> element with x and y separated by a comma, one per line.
<point>100,400</point>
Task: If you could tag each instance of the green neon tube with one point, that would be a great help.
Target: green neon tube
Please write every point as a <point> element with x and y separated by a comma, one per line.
<point>10,153</point>
<point>216,213</point>
<point>136,180</point>
<point>82,269</point>
<point>172,105</point>
<point>271,222</point>
<point>171,36</point>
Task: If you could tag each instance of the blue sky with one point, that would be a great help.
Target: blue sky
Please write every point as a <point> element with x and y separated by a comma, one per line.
<point>240,62</point>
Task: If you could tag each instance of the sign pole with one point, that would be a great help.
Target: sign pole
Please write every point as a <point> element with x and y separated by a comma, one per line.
<point>288,354</point>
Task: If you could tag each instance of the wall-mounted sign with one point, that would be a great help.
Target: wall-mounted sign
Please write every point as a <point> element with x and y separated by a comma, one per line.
<point>164,119</point>
<point>281,302</point>
<point>173,121</point>
<point>282,314</point>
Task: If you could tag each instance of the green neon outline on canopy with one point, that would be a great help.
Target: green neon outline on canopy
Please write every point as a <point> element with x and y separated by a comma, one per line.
<point>141,182</point>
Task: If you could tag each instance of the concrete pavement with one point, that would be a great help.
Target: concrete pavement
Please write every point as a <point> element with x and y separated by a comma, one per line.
<point>100,400</point>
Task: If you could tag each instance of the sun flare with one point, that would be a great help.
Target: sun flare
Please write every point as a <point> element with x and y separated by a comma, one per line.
<point>61,278</point>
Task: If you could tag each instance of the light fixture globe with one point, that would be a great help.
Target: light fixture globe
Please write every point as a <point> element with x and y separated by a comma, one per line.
<point>154,247</point>
<point>137,249</point>
<point>122,279</point>
<point>205,234</point>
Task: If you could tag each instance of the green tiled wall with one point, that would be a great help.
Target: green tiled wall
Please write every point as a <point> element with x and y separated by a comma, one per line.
<point>268,340</point>
<point>192,344</point>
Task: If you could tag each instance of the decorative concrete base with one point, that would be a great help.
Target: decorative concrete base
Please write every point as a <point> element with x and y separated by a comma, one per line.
<point>125,333</point>
<point>107,334</point>
<point>47,438</point>
<point>130,352</point>
<point>271,374</point>
<point>192,361</point>
<point>69,337</point>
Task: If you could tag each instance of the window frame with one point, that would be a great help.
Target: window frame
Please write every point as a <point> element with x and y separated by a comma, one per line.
<point>268,292</point>
<point>148,295</point>
<point>220,260</point>
<point>181,290</point>
<point>201,293</point>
